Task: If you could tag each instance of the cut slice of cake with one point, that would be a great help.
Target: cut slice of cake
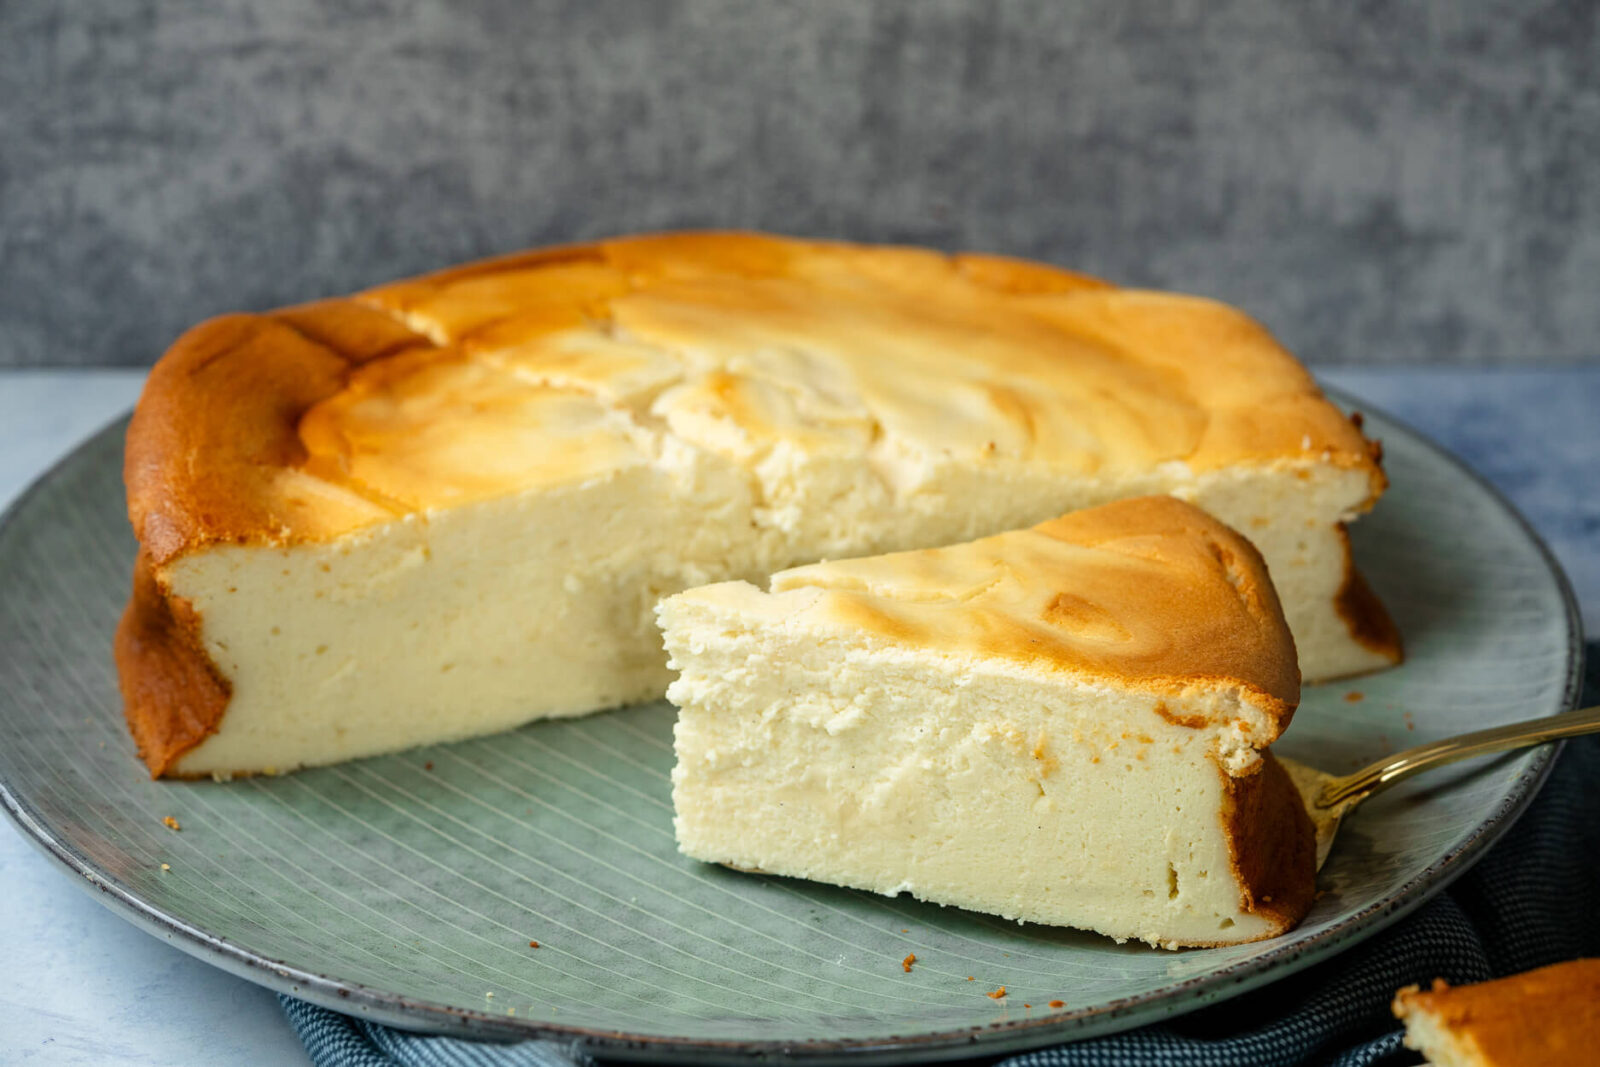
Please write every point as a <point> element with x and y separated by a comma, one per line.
<point>448,506</point>
<point>1065,725</point>
<point>1547,1016</point>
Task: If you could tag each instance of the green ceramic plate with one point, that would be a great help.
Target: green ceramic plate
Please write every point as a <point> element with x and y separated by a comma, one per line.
<point>407,888</point>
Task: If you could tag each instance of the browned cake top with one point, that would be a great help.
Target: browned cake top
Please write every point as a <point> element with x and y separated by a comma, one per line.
<point>1149,592</point>
<point>560,365</point>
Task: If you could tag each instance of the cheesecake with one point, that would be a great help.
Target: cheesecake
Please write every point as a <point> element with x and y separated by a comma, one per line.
<point>447,506</point>
<point>1541,1017</point>
<point>1067,725</point>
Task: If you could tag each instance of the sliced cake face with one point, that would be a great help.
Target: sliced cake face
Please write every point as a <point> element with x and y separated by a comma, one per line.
<point>422,458</point>
<point>1063,725</point>
<point>434,629</point>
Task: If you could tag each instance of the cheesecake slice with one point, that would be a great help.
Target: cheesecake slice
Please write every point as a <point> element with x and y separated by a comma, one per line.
<point>1541,1017</point>
<point>1065,725</point>
<point>447,506</point>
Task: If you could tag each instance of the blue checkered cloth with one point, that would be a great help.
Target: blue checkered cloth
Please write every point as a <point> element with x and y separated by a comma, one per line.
<point>1533,900</point>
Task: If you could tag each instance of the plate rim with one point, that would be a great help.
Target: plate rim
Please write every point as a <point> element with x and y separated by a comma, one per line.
<point>1177,998</point>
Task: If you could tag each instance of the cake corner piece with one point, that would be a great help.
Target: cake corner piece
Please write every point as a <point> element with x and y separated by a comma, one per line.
<point>1549,1015</point>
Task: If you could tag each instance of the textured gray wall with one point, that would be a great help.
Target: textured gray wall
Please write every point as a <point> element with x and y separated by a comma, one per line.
<point>1378,181</point>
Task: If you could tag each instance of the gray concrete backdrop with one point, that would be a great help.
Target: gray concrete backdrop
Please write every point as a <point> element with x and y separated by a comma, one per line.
<point>1409,180</point>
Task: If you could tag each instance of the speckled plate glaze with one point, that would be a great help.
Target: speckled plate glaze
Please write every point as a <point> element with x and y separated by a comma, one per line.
<point>407,888</point>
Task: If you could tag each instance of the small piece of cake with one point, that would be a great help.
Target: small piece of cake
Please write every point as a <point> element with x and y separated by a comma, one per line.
<point>1548,1017</point>
<point>1066,724</point>
<point>447,506</point>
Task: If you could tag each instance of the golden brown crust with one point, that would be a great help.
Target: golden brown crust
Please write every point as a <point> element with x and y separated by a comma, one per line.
<point>1363,613</point>
<point>172,695</point>
<point>1020,276</point>
<point>1260,652</point>
<point>217,429</point>
<point>1168,598</point>
<point>1374,447</point>
<point>219,418</point>
<point>1273,842</point>
<point>1546,1016</point>
<point>355,332</point>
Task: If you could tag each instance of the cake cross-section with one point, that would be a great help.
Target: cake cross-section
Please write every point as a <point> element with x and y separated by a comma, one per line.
<point>1067,724</point>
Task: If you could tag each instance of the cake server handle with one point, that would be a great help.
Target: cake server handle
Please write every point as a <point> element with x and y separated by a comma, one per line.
<point>1353,788</point>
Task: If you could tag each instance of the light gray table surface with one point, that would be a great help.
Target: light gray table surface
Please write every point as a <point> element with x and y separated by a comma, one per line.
<point>81,986</point>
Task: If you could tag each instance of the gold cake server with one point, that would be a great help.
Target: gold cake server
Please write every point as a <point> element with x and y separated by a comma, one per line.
<point>1329,798</point>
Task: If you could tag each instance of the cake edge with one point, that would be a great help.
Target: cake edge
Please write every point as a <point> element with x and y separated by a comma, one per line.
<point>1368,621</point>
<point>1273,844</point>
<point>173,696</point>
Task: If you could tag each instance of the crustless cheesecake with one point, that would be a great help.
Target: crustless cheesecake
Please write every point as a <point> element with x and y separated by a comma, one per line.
<point>448,506</point>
